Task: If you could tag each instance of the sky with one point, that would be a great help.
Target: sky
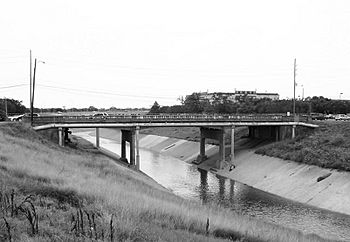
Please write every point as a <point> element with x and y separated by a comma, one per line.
<point>133,53</point>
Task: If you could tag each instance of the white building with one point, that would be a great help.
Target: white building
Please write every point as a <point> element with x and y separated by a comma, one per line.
<point>236,96</point>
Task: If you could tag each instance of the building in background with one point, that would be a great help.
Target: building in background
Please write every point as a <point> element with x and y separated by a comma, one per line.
<point>236,96</point>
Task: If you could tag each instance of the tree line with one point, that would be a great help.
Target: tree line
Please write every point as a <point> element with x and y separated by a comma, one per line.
<point>194,104</point>
<point>12,107</point>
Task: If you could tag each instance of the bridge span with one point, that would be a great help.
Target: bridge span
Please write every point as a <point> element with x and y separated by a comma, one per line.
<point>278,127</point>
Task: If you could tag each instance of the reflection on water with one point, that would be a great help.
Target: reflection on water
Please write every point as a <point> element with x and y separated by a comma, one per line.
<point>187,181</point>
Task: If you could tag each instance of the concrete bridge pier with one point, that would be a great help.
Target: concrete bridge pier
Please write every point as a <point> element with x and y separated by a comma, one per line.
<point>60,137</point>
<point>98,137</point>
<point>232,155</point>
<point>219,163</point>
<point>293,131</point>
<point>277,133</point>
<point>216,134</point>
<point>131,136</point>
<point>137,146</point>
<point>127,136</point>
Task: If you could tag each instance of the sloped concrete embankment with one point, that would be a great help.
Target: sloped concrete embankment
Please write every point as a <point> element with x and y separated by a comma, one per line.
<point>312,185</point>
<point>323,188</point>
<point>180,149</point>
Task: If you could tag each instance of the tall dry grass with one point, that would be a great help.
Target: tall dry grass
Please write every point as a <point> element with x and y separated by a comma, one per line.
<point>327,146</point>
<point>63,180</point>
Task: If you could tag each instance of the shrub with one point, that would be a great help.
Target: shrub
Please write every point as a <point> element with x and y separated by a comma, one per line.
<point>3,116</point>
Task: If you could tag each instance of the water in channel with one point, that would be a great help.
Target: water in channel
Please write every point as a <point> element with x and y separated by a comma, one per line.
<point>187,181</point>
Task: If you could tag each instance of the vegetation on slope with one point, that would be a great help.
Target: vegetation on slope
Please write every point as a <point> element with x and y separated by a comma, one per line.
<point>49,193</point>
<point>328,146</point>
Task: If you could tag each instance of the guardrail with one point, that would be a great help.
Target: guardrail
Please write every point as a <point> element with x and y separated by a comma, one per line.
<point>165,118</point>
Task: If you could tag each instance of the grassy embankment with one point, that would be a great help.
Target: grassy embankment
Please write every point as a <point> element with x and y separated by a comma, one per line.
<point>49,193</point>
<point>328,146</point>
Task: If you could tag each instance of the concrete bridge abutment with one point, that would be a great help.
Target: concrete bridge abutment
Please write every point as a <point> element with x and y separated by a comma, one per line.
<point>277,133</point>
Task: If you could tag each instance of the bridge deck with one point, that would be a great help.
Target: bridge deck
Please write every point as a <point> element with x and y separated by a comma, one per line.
<point>120,121</point>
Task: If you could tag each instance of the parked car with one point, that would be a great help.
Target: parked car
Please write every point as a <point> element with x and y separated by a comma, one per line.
<point>16,117</point>
<point>340,117</point>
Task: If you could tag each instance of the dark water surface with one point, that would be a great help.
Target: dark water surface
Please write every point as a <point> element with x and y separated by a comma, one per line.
<point>187,181</point>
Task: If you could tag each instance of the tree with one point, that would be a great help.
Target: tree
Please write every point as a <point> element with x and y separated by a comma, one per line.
<point>193,103</point>
<point>155,108</point>
<point>92,108</point>
<point>13,106</point>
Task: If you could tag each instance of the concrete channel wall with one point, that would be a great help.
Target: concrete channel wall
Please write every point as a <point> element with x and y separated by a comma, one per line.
<point>323,188</point>
<point>312,185</point>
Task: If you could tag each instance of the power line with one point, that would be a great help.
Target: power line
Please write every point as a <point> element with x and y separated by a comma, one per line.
<point>139,68</point>
<point>103,92</point>
<point>13,86</point>
<point>11,57</point>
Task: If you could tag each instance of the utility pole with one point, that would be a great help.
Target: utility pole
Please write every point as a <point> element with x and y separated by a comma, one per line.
<point>30,78</point>
<point>33,92</point>
<point>294,84</point>
<point>32,99</point>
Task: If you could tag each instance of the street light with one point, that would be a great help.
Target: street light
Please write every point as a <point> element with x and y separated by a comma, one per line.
<point>32,101</point>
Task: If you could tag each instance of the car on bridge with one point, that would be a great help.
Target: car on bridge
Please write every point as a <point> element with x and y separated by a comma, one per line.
<point>317,116</point>
<point>99,116</point>
<point>342,117</point>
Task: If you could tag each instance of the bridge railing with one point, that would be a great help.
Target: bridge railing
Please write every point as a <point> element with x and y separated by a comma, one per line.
<point>166,118</point>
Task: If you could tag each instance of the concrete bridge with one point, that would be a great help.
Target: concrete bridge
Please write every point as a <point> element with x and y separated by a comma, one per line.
<point>278,127</point>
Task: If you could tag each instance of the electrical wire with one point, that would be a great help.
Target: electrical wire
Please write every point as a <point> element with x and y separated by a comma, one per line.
<point>13,86</point>
<point>103,92</point>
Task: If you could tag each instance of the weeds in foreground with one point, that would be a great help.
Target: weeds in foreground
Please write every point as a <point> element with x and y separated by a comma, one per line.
<point>26,208</point>
<point>8,229</point>
<point>91,193</point>
<point>89,224</point>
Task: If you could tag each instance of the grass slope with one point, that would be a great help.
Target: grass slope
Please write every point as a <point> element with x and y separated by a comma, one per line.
<point>49,193</point>
<point>328,146</point>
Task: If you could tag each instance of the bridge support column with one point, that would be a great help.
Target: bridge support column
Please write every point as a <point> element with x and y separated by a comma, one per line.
<point>251,131</point>
<point>221,149</point>
<point>98,137</point>
<point>293,131</point>
<point>132,149</point>
<point>129,136</point>
<point>277,133</point>
<point>60,137</point>
<point>123,147</point>
<point>217,134</point>
<point>202,156</point>
<point>232,155</point>
<point>137,146</point>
